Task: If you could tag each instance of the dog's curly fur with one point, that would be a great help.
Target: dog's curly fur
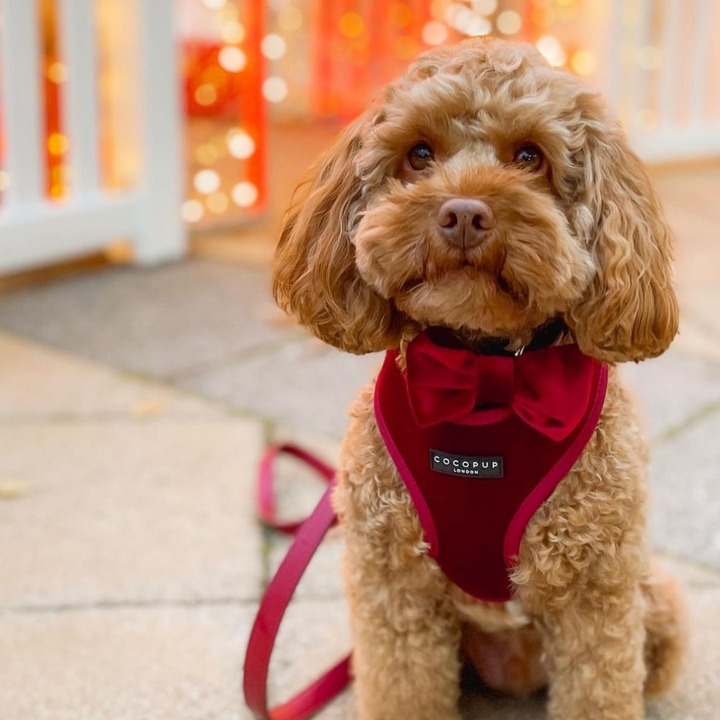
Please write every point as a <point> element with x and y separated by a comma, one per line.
<point>579,237</point>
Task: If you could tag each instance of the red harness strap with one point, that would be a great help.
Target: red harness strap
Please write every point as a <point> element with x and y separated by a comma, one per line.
<point>308,536</point>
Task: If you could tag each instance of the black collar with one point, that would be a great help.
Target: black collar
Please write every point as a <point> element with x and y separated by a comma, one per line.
<point>543,337</point>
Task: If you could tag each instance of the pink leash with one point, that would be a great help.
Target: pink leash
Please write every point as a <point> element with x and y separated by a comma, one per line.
<point>308,536</point>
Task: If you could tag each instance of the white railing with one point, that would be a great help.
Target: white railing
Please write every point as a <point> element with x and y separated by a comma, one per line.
<point>35,230</point>
<point>664,74</point>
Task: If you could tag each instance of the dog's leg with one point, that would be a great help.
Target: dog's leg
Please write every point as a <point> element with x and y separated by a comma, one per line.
<point>580,571</point>
<point>594,656</point>
<point>581,582</point>
<point>406,635</point>
<point>406,629</point>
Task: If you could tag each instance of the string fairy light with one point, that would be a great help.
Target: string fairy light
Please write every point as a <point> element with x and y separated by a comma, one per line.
<point>244,194</point>
<point>273,46</point>
<point>192,211</point>
<point>240,145</point>
<point>434,33</point>
<point>232,59</point>
<point>206,181</point>
<point>552,50</point>
<point>274,89</point>
<point>509,22</point>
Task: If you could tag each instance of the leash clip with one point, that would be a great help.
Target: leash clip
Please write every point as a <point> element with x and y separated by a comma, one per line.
<point>519,352</point>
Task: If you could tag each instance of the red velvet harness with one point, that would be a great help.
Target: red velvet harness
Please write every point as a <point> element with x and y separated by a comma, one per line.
<point>455,421</point>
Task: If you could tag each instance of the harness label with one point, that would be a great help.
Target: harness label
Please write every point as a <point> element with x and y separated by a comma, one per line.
<point>481,467</point>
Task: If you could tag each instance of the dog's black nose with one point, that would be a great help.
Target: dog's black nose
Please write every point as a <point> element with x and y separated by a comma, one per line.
<point>465,222</point>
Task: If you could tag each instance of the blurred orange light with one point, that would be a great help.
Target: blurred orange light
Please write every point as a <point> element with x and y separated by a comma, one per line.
<point>57,144</point>
<point>351,25</point>
<point>57,73</point>
<point>206,95</point>
<point>583,62</point>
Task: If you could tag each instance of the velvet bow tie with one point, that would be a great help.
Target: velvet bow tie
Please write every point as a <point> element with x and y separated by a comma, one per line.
<point>547,389</point>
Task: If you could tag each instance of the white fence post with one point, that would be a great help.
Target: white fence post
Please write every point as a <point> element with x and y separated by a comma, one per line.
<point>21,86</point>
<point>161,233</point>
<point>80,93</point>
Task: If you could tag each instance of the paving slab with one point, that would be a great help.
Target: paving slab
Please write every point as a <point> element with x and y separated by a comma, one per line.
<point>160,321</point>
<point>39,382</point>
<point>131,512</point>
<point>304,384</point>
<point>124,664</point>
<point>673,389</point>
<point>684,482</point>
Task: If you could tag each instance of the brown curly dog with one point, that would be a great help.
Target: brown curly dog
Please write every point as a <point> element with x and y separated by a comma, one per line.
<point>572,231</point>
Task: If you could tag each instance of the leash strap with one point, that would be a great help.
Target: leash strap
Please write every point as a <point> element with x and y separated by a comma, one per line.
<point>308,536</point>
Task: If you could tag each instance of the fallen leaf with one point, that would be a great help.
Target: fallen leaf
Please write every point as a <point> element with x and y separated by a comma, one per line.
<point>10,489</point>
<point>148,407</point>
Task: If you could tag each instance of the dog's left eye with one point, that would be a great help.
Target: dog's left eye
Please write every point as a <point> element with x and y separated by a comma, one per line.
<point>420,156</point>
<point>529,156</point>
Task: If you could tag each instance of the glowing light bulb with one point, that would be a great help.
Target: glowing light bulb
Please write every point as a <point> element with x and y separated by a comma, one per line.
<point>509,22</point>
<point>552,50</point>
<point>434,33</point>
<point>245,194</point>
<point>191,211</point>
<point>241,145</point>
<point>275,89</point>
<point>232,59</point>
<point>273,46</point>
<point>476,26</point>
<point>583,62</point>
<point>206,181</point>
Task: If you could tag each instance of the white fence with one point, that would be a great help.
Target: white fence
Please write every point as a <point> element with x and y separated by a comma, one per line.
<point>35,230</point>
<point>663,76</point>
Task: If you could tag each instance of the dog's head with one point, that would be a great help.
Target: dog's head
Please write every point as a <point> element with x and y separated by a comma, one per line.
<point>488,193</point>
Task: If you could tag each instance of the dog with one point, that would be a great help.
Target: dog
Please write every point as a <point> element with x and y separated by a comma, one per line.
<point>492,195</point>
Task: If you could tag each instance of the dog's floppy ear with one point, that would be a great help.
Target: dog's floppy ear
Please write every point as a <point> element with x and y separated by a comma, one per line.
<point>315,277</point>
<point>629,311</point>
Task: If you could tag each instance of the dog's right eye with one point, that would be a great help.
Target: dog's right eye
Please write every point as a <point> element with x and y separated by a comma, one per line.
<point>420,156</point>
